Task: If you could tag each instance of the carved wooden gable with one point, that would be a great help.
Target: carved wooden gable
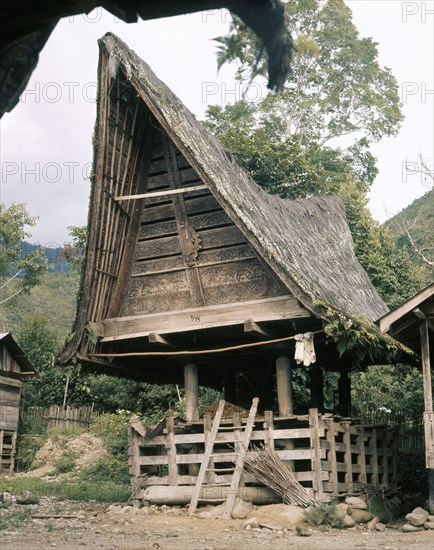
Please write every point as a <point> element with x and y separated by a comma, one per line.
<point>188,252</point>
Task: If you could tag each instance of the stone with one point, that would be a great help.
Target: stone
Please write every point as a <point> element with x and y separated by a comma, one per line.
<point>429,525</point>
<point>343,509</point>
<point>114,509</point>
<point>356,502</point>
<point>348,521</point>
<point>380,527</point>
<point>361,516</point>
<point>418,517</point>
<point>430,518</point>
<point>281,514</point>
<point>251,522</point>
<point>409,528</point>
<point>26,497</point>
<point>302,532</point>
<point>241,509</point>
<point>371,524</point>
<point>129,510</point>
<point>5,499</point>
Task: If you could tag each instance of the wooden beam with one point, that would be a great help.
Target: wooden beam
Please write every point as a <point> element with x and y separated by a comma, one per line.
<point>426,366</point>
<point>250,327</point>
<point>387,320</point>
<point>155,338</point>
<point>161,193</point>
<point>271,309</point>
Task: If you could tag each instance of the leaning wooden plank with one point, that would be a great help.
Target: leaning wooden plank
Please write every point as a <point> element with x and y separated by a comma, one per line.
<point>239,464</point>
<point>206,458</point>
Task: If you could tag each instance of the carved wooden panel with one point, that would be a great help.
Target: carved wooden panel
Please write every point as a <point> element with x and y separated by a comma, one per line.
<point>239,281</point>
<point>154,293</point>
<point>189,252</point>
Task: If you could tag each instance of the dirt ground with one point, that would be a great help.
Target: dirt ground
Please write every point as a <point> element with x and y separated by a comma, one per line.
<point>159,528</point>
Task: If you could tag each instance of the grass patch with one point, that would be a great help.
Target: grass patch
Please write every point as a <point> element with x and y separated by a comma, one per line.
<point>68,490</point>
<point>66,462</point>
<point>12,521</point>
<point>325,514</point>
<point>109,468</point>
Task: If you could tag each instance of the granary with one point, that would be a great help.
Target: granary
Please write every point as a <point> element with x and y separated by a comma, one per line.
<point>194,274</point>
<point>14,367</point>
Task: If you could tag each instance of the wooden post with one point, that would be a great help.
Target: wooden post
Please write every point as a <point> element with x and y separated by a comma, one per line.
<point>428,416</point>
<point>316,453</point>
<point>191,392</point>
<point>171,451</point>
<point>347,458</point>
<point>331,457</point>
<point>361,456</point>
<point>268,428</point>
<point>207,427</point>
<point>316,388</point>
<point>284,386</point>
<point>374,458</point>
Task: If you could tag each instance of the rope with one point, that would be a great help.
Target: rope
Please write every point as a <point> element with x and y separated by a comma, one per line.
<point>197,352</point>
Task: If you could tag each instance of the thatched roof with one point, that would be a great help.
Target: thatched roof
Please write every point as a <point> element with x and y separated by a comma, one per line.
<point>306,243</point>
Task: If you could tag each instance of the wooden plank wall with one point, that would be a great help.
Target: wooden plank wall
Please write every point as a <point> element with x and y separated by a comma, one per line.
<point>328,455</point>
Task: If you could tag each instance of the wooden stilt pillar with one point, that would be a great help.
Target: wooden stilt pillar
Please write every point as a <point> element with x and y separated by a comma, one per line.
<point>284,386</point>
<point>191,392</point>
<point>316,388</point>
<point>191,405</point>
<point>344,388</point>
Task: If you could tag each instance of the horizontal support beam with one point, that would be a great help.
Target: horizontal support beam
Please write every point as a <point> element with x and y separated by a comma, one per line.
<point>161,193</point>
<point>272,309</point>
<point>250,327</point>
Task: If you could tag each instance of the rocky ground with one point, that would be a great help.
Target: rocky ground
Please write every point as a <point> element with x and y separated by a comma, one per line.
<point>70,525</point>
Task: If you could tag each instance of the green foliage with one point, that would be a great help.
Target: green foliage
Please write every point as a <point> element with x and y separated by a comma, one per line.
<point>337,87</point>
<point>361,339</point>
<point>418,220</point>
<point>66,462</point>
<point>113,429</point>
<point>14,521</point>
<point>28,446</point>
<point>74,252</point>
<point>397,388</point>
<point>325,513</point>
<point>53,298</point>
<point>13,221</point>
<point>70,490</point>
<point>107,469</point>
<point>379,508</point>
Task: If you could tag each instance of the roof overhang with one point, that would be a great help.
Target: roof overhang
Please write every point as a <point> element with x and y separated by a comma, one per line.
<point>7,340</point>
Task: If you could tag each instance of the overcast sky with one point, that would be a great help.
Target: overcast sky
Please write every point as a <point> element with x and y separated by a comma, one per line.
<point>46,140</point>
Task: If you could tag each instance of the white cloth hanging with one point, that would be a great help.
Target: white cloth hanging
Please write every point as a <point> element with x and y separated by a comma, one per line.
<point>304,349</point>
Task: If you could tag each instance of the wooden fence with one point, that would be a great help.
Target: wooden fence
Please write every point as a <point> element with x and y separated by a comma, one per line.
<point>327,454</point>
<point>37,420</point>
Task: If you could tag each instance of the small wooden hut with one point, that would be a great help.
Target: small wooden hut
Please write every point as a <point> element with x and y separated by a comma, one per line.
<point>195,274</point>
<point>14,366</point>
<point>412,323</point>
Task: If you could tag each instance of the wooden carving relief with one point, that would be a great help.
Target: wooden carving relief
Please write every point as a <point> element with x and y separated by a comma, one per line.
<point>237,282</point>
<point>156,293</point>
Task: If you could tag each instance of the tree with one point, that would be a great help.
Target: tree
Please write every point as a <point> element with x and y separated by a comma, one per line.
<point>74,252</point>
<point>27,270</point>
<point>337,87</point>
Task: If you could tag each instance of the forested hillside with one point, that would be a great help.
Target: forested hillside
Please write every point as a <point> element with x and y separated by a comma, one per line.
<point>416,223</point>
